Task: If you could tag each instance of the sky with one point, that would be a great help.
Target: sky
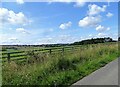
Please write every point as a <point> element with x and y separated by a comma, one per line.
<point>36,23</point>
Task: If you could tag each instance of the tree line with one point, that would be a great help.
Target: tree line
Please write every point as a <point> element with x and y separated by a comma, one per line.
<point>94,41</point>
<point>83,42</point>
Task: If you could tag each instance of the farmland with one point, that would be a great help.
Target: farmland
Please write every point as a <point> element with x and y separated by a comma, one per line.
<point>62,65</point>
<point>22,52</point>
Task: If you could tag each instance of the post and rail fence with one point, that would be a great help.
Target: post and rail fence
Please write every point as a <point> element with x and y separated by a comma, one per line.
<point>20,55</point>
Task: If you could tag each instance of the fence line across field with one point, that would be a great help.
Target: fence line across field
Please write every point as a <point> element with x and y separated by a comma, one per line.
<point>20,55</point>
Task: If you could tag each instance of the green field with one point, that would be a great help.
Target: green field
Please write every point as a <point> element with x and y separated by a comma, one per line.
<point>22,53</point>
<point>60,67</point>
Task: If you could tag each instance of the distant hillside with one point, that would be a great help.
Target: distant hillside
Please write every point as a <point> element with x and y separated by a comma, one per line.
<point>88,41</point>
<point>94,41</point>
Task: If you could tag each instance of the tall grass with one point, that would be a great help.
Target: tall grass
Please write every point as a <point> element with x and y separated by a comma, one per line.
<point>58,68</point>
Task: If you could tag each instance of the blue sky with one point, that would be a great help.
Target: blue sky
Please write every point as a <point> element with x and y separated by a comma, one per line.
<point>47,23</point>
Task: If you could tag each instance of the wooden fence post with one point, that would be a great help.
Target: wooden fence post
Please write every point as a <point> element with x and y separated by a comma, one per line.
<point>63,50</point>
<point>72,49</point>
<point>8,57</point>
<point>50,51</point>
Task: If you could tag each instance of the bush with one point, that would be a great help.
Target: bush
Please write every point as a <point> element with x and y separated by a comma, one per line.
<point>33,57</point>
<point>65,64</point>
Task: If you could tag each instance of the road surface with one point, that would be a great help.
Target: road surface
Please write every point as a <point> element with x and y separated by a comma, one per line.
<point>107,75</point>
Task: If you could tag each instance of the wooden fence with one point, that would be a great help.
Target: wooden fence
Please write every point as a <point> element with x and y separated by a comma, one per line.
<point>22,55</point>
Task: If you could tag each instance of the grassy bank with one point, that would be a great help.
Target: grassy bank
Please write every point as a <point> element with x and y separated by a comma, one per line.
<point>59,68</point>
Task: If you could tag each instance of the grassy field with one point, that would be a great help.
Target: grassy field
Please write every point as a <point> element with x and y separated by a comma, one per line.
<point>59,68</point>
<point>18,53</point>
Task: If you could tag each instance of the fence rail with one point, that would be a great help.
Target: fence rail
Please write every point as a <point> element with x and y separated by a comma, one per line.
<point>19,55</point>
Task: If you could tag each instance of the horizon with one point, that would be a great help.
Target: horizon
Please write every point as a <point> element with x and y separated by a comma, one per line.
<point>39,23</point>
<point>57,43</point>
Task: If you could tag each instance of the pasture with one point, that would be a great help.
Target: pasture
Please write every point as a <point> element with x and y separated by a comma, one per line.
<point>54,65</point>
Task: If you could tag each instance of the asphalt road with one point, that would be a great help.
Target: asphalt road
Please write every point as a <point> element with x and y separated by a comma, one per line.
<point>107,75</point>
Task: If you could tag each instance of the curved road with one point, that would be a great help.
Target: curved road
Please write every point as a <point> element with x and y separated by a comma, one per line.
<point>107,75</point>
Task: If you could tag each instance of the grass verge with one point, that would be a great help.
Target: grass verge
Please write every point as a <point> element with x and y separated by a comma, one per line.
<point>59,69</point>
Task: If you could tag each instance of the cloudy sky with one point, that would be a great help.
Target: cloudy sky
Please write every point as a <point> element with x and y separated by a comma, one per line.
<point>53,22</point>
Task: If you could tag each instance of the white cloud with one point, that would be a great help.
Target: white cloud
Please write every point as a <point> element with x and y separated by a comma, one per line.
<point>93,17</point>
<point>65,38</point>
<point>101,28</point>
<point>79,3</point>
<point>13,38</point>
<point>102,35</point>
<point>90,35</point>
<point>90,21</point>
<point>20,1</point>
<point>66,1</point>
<point>45,40</point>
<point>109,14</point>
<point>9,16</point>
<point>65,25</point>
<point>95,9</point>
<point>22,30</point>
<point>8,39</point>
<point>61,38</point>
<point>98,35</point>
